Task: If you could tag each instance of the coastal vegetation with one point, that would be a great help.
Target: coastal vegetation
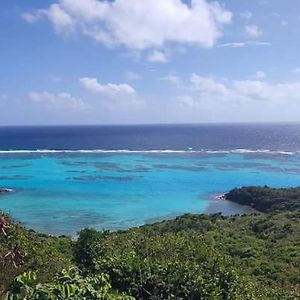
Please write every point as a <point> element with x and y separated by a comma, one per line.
<point>266,199</point>
<point>253,256</point>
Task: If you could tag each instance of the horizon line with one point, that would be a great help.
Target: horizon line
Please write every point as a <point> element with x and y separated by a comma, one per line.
<point>155,124</point>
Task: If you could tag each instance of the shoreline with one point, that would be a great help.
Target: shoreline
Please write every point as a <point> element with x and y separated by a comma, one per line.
<point>199,236</point>
<point>227,209</point>
<point>220,196</point>
<point>218,203</point>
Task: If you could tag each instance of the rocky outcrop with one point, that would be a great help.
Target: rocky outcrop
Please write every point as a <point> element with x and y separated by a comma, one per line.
<point>5,190</point>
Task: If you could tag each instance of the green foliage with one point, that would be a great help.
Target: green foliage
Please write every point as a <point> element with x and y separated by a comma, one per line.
<point>191,257</point>
<point>86,248</point>
<point>22,250</point>
<point>69,284</point>
<point>202,257</point>
<point>266,199</point>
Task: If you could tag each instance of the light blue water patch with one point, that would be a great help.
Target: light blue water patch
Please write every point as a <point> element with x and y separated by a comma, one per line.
<point>63,193</point>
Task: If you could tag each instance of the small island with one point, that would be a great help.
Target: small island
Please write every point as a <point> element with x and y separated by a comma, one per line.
<point>254,256</point>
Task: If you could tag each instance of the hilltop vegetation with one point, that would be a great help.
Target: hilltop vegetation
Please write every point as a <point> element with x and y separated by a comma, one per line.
<point>191,257</point>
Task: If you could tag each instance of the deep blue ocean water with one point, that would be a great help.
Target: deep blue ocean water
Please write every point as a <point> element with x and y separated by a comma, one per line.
<point>115,177</point>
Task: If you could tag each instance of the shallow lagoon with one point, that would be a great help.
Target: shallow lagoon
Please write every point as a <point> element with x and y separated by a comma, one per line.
<point>61,193</point>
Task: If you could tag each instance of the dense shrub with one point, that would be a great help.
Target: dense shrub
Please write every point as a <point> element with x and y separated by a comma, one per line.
<point>69,284</point>
<point>22,250</point>
<point>232,258</point>
<point>191,257</point>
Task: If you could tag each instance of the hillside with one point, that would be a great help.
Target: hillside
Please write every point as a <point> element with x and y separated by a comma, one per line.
<point>190,257</point>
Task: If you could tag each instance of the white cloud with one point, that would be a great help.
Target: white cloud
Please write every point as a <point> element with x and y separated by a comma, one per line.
<point>61,20</point>
<point>244,44</point>
<point>203,89</point>
<point>157,56</point>
<point>184,100</point>
<point>247,15</point>
<point>112,95</point>
<point>59,100</point>
<point>138,24</point>
<point>234,45</point>
<point>172,78</point>
<point>296,70</point>
<point>207,85</point>
<point>56,78</point>
<point>259,75</point>
<point>282,21</point>
<point>32,17</point>
<point>133,76</point>
<point>252,90</point>
<point>276,15</point>
<point>109,89</point>
<point>259,43</point>
<point>253,31</point>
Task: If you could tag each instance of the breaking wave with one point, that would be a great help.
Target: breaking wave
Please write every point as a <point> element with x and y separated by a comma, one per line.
<point>166,151</point>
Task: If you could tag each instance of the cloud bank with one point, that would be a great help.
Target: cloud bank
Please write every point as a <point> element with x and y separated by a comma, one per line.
<point>203,89</point>
<point>136,24</point>
<point>109,89</point>
<point>111,94</point>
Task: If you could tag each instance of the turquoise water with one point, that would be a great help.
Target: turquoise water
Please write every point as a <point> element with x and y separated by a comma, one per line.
<point>61,193</point>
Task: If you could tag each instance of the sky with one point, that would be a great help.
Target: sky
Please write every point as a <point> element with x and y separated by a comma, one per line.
<point>149,61</point>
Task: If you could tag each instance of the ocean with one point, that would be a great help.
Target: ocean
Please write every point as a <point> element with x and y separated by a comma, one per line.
<point>115,177</point>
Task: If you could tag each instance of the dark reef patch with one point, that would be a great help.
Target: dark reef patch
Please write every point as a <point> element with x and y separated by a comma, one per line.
<point>14,166</point>
<point>178,167</point>
<point>105,166</point>
<point>103,178</point>
<point>267,156</point>
<point>15,177</point>
<point>238,166</point>
<point>141,169</point>
<point>76,171</point>
<point>81,217</point>
<point>293,171</point>
<point>74,163</point>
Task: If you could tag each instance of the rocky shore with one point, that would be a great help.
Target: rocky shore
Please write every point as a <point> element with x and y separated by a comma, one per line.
<point>220,197</point>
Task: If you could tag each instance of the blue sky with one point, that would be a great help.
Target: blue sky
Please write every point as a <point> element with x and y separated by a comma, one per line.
<point>150,61</point>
